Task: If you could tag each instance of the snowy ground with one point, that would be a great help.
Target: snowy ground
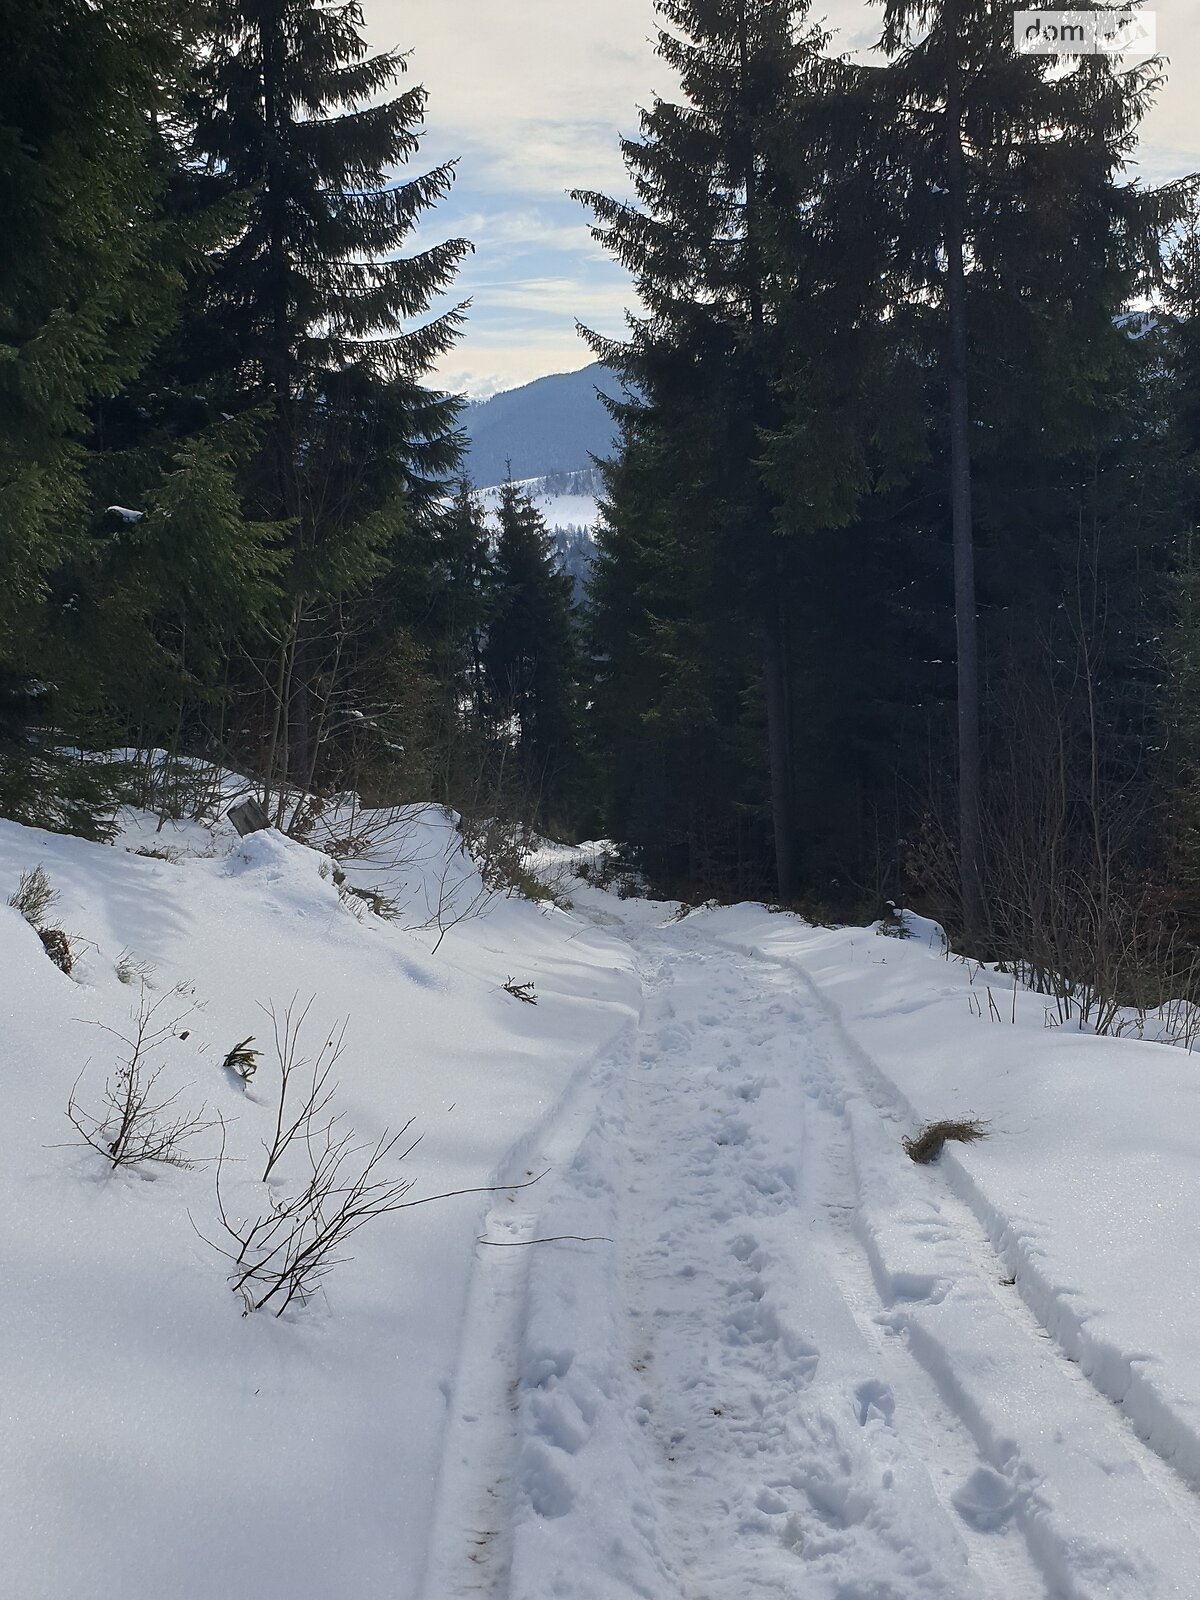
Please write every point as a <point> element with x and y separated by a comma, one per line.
<point>757,1352</point>
<point>558,510</point>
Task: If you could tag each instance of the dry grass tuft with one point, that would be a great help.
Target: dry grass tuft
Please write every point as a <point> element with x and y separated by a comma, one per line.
<point>158,853</point>
<point>132,969</point>
<point>243,1059</point>
<point>374,899</point>
<point>927,1146</point>
<point>33,896</point>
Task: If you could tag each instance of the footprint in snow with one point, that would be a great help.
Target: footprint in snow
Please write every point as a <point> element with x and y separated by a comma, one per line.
<point>545,1484</point>
<point>874,1398</point>
<point>986,1501</point>
<point>731,1130</point>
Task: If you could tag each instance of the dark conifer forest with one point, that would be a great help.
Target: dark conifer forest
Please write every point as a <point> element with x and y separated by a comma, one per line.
<point>896,594</point>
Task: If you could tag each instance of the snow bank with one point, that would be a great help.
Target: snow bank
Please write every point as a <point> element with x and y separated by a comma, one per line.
<point>150,1430</point>
<point>1085,1185</point>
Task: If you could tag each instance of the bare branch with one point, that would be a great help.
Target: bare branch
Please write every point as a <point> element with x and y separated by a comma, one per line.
<point>135,1123</point>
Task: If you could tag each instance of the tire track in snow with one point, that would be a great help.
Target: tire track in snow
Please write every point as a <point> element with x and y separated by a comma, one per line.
<point>1164,1440</point>
<point>793,1374</point>
<point>786,1464</point>
<point>965,1484</point>
<point>999,1370</point>
<point>1177,1494</point>
<point>470,1545</point>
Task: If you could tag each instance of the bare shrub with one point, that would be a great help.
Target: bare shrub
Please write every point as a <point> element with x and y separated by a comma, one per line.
<point>499,846</point>
<point>378,835</point>
<point>176,787</point>
<point>287,1251</point>
<point>302,1099</point>
<point>374,900</point>
<point>454,899</point>
<point>496,810</point>
<point>135,1122</point>
<point>132,969</point>
<point>383,839</point>
<point>1077,909</point>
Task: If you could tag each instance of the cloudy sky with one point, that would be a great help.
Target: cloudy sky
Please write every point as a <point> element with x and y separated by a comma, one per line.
<point>531,95</point>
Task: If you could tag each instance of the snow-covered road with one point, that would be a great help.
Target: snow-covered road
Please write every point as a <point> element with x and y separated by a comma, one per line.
<point>776,1359</point>
<point>721,1339</point>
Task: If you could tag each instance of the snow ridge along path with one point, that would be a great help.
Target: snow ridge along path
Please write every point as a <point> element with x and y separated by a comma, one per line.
<point>792,1366</point>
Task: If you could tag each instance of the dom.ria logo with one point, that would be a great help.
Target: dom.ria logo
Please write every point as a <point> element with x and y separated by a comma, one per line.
<point>1085,33</point>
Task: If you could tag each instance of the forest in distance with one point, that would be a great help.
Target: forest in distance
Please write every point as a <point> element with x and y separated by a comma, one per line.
<point>895,594</point>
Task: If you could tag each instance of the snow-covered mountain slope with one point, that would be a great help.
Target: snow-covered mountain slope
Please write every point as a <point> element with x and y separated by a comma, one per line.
<point>554,424</point>
<point>562,505</point>
<point>733,1343</point>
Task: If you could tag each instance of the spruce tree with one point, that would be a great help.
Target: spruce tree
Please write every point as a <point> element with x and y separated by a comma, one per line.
<point>530,654</point>
<point>165,597</point>
<point>1020,246</point>
<point>1178,338</point>
<point>84,292</point>
<point>465,593</point>
<point>729,269</point>
<point>314,314</point>
<point>674,720</point>
<point>89,284</point>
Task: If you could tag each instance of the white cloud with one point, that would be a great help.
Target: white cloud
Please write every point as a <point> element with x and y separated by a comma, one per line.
<point>498,360</point>
<point>520,328</point>
<point>507,233</point>
<point>556,297</point>
<point>530,90</point>
<point>532,95</point>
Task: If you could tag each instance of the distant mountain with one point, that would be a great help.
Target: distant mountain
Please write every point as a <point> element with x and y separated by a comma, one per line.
<point>551,425</point>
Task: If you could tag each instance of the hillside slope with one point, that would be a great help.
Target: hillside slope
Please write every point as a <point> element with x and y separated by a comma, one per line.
<point>151,1430</point>
<point>554,424</point>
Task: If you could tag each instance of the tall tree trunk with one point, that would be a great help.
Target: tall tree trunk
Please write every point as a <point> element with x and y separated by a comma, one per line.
<point>775,631</point>
<point>779,753</point>
<point>970,836</point>
<point>302,754</point>
<point>284,444</point>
